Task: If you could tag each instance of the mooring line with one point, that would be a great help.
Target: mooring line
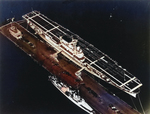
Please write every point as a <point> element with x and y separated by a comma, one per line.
<point>141,104</point>
<point>133,103</point>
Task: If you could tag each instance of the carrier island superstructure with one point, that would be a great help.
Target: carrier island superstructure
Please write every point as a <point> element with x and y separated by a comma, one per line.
<point>79,52</point>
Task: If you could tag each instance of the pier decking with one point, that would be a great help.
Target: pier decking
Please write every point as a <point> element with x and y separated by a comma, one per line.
<point>64,69</point>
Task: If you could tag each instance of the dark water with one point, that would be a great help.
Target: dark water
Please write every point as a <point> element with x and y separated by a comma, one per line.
<point>119,29</point>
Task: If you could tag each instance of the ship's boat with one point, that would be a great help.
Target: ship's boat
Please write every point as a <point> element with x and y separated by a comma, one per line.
<point>82,53</point>
<point>15,32</point>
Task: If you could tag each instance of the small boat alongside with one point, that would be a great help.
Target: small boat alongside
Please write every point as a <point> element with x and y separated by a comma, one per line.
<point>15,32</point>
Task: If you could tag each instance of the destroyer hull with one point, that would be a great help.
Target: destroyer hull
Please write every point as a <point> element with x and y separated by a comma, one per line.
<point>93,93</point>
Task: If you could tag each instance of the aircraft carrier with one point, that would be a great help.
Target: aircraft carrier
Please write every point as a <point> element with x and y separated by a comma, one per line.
<point>74,64</point>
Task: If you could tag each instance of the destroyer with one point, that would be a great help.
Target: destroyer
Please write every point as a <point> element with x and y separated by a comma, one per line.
<point>72,95</point>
